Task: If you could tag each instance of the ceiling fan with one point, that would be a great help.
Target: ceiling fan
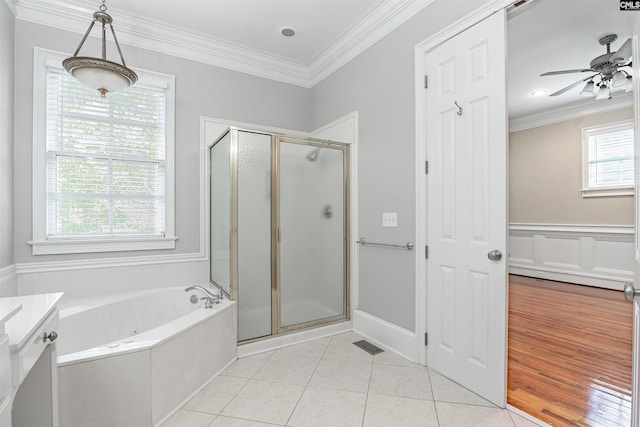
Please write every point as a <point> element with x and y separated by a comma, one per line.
<point>607,69</point>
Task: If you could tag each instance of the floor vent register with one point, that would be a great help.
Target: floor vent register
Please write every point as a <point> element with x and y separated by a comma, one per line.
<point>368,347</point>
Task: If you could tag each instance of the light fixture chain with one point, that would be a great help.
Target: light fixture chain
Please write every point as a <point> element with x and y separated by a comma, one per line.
<point>103,7</point>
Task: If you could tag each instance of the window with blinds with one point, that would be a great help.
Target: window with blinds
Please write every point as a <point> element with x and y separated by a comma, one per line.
<point>103,167</point>
<point>105,160</point>
<point>608,159</point>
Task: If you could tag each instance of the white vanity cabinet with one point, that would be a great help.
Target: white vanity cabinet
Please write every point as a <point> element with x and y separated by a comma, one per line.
<point>7,310</point>
<point>29,349</point>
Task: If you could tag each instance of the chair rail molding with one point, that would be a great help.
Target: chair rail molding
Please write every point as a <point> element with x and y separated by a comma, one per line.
<point>586,254</point>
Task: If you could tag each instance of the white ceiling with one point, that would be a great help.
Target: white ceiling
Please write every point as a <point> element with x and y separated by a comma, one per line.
<point>244,35</point>
<point>552,35</point>
<point>256,24</point>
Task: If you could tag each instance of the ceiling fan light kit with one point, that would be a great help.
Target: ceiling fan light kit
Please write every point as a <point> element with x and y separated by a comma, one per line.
<point>607,69</point>
<point>603,92</point>
<point>589,89</point>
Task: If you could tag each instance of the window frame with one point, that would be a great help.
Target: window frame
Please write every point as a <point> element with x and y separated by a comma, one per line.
<point>609,191</point>
<point>41,245</point>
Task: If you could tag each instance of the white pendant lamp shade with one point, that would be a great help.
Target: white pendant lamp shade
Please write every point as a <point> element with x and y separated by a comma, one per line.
<point>99,73</point>
<point>618,79</point>
<point>589,89</point>
<point>628,84</point>
<point>603,92</point>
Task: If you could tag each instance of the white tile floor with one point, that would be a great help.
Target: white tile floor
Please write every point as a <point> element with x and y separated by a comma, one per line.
<point>329,382</point>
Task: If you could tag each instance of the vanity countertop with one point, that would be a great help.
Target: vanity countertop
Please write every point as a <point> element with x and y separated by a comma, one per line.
<point>8,308</point>
<point>24,322</point>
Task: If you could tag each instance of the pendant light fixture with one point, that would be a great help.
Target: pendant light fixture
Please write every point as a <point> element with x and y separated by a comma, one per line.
<point>99,73</point>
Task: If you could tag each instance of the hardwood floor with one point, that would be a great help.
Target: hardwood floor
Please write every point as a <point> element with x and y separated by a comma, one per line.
<point>569,353</point>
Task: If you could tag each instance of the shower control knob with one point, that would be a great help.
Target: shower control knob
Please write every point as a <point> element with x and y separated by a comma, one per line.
<point>51,336</point>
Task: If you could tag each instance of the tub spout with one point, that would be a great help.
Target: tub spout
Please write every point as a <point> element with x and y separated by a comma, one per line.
<point>210,297</point>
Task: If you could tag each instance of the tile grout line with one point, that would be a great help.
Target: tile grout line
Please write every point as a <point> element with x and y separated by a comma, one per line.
<point>366,402</point>
<point>433,395</point>
<point>306,387</point>
<point>243,387</point>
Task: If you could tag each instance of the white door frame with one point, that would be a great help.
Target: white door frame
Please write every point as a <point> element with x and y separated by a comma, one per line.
<point>420,154</point>
<point>635,390</point>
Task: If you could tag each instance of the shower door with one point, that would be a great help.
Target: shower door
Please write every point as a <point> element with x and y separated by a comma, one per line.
<point>312,258</point>
<point>278,230</point>
<point>220,212</point>
<point>253,228</point>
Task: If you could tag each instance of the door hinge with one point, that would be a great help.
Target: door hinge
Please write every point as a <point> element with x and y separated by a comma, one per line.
<point>426,338</point>
<point>426,167</point>
<point>426,81</point>
<point>426,252</point>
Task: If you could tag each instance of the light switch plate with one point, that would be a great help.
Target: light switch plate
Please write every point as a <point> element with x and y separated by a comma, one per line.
<point>390,219</point>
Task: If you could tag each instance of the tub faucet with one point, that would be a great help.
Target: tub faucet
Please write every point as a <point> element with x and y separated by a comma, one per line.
<point>210,297</point>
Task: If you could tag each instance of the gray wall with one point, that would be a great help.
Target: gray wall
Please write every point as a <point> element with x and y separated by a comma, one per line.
<point>201,90</point>
<point>7,22</point>
<point>379,83</point>
<point>545,176</point>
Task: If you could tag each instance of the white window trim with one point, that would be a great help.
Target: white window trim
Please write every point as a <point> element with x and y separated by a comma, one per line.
<point>624,190</point>
<point>43,246</point>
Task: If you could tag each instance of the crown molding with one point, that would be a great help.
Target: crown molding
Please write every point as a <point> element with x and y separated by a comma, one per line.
<point>174,41</point>
<point>373,27</point>
<point>11,4</point>
<point>569,112</point>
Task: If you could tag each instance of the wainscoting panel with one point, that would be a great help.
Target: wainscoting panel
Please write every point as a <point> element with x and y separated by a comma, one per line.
<point>8,281</point>
<point>595,255</point>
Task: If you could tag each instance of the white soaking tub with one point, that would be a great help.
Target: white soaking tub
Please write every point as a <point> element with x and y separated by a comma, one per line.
<point>133,359</point>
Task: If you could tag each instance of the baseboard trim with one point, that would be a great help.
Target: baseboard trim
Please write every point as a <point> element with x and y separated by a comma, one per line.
<point>277,342</point>
<point>392,337</point>
<point>561,276</point>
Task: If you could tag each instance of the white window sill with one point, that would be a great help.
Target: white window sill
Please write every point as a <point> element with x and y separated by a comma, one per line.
<point>75,246</point>
<point>607,192</point>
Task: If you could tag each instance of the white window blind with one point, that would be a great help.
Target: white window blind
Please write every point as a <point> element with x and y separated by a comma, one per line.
<point>608,159</point>
<point>103,168</point>
<point>105,160</point>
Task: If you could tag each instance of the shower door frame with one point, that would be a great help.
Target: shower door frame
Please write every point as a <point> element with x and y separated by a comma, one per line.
<point>346,259</point>
<point>276,140</point>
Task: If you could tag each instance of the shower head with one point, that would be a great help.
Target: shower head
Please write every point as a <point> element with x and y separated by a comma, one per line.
<point>313,154</point>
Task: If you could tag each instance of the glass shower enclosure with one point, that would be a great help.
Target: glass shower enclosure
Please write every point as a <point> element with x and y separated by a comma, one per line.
<point>279,230</point>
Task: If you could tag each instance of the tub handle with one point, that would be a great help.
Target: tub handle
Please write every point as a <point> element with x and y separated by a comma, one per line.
<point>51,336</point>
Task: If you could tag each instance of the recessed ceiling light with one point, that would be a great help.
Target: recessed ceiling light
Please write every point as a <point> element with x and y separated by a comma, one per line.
<point>288,32</point>
<point>539,92</point>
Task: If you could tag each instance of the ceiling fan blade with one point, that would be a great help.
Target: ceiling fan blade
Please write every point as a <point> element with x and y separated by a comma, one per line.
<point>571,86</point>
<point>553,73</point>
<point>623,54</point>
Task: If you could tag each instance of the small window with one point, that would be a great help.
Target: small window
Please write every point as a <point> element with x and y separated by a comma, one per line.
<point>105,164</point>
<point>607,160</point>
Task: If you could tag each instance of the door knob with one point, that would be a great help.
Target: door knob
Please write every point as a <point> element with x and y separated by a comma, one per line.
<point>630,292</point>
<point>51,336</point>
<point>494,255</point>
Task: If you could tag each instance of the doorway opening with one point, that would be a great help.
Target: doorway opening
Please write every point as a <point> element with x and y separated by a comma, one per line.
<point>582,245</point>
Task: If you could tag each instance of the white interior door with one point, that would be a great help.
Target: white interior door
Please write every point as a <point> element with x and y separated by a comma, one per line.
<point>467,209</point>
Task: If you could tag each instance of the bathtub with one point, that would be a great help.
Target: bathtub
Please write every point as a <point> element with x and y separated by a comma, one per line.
<point>133,359</point>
